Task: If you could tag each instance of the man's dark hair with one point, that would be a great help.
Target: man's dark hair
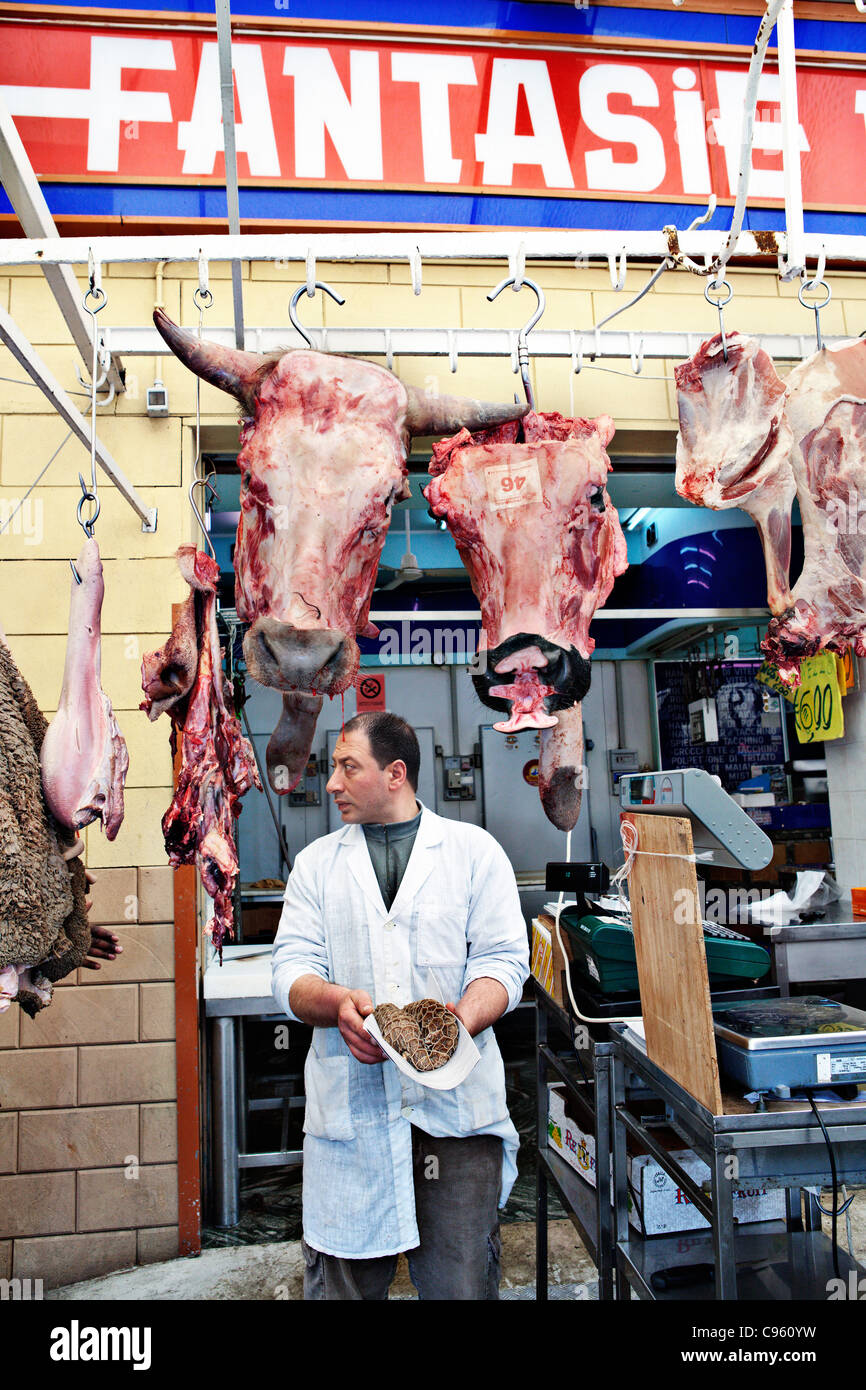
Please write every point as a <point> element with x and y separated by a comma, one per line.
<point>390,738</point>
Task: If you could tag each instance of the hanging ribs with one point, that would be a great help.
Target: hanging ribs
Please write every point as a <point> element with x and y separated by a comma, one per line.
<point>217,764</point>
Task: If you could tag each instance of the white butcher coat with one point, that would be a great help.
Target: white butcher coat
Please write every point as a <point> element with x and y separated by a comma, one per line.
<point>456,918</point>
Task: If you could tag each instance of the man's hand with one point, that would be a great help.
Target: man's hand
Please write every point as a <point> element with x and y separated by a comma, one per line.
<point>355,1006</point>
<point>103,944</point>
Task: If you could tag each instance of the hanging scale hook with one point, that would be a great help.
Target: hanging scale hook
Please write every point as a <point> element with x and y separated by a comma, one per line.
<point>816,305</point>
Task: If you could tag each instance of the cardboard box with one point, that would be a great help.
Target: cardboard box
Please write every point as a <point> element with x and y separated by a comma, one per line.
<point>665,1207</point>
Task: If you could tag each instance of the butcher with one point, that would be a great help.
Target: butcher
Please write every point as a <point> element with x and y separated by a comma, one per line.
<point>398,905</point>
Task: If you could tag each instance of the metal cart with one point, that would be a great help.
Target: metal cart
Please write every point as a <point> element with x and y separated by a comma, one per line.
<point>783,1146</point>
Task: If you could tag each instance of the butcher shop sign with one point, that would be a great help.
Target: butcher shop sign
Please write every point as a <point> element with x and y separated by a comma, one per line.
<point>138,106</point>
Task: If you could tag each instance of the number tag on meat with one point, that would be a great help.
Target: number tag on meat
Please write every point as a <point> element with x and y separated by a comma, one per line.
<point>818,706</point>
<point>510,485</point>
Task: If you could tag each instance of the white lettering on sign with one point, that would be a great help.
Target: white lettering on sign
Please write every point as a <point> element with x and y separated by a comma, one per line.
<point>690,129</point>
<point>435,73</point>
<point>510,485</point>
<point>354,122</point>
<point>202,135</point>
<point>500,147</point>
<point>105,103</point>
<point>647,171</point>
<point>860,103</point>
<point>767,135</point>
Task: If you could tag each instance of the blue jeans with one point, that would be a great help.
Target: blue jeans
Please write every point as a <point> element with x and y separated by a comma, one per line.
<point>457,1184</point>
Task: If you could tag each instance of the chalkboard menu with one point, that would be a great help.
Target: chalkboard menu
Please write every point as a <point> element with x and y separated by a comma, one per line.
<point>749,721</point>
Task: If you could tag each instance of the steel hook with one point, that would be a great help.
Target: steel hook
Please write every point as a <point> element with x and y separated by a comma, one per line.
<point>212,493</point>
<point>522,348</point>
<point>293,307</point>
<point>816,284</point>
<point>720,305</point>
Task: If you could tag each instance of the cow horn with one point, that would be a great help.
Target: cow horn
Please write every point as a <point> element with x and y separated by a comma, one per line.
<point>447,414</point>
<point>228,368</point>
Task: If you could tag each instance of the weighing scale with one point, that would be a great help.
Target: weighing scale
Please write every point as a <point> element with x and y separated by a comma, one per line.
<point>781,1044</point>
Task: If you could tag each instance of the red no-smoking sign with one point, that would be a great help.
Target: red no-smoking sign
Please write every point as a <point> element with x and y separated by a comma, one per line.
<point>370,691</point>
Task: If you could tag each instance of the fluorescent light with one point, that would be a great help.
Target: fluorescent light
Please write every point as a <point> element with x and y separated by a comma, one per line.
<point>637,517</point>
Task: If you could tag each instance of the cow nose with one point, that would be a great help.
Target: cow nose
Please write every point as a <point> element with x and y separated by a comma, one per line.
<point>288,658</point>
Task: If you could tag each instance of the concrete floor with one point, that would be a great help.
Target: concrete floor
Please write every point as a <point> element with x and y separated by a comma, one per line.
<point>275,1271</point>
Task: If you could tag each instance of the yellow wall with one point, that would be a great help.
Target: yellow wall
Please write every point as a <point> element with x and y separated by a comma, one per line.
<point>91,1080</point>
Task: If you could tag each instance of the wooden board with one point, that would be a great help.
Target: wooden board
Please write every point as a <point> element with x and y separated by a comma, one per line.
<point>671,959</point>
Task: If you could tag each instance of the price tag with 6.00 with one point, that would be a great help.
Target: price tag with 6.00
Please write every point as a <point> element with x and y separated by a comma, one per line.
<point>818,705</point>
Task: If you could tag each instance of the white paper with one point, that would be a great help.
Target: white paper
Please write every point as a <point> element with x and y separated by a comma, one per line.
<point>444,1078</point>
<point>781,908</point>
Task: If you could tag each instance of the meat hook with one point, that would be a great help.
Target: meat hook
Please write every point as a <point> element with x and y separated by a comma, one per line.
<point>817,305</point>
<point>720,305</point>
<point>522,349</point>
<point>293,307</point>
<point>213,494</point>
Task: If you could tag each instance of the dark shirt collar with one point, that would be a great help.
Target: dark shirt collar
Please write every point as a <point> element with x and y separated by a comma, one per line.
<point>396,830</point>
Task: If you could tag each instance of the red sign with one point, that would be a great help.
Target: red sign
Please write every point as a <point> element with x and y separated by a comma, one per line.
<point>144,106</point>
<point>370,691</point>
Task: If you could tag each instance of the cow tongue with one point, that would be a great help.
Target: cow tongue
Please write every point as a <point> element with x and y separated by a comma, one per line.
<point>560,769</point>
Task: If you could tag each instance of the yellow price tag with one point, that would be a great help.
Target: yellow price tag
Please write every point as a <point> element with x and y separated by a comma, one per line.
<point>846,671</point>
<point>818,704</point>
<point>769,675</point>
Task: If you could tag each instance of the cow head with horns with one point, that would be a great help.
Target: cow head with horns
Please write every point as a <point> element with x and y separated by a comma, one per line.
<point>324,442</point>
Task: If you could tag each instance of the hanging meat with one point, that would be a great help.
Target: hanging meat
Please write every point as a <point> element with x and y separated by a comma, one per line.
<point>322,460</point>
<point>734,443</point>
<point>826,411</point>
<point>44,933</point>
<point>217,765</point>
<point>84,757</point>
<point>529,511</point>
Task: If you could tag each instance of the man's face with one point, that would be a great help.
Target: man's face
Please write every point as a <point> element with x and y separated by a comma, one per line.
<point>358,784</point>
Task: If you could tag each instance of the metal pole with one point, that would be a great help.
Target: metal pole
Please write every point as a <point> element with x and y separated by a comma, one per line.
<point>795,262</point>
<point>227,96</point>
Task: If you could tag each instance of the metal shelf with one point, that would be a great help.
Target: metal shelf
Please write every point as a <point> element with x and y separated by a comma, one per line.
<point>578,1196</point>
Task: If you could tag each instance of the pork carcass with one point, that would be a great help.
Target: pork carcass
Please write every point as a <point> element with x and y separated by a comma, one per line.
<point>44,933</point>
<point>826,410</point>
<point>529,511</point>
<point>84,756</point>
<point>217,764</point>
<point>323,458</point>
<point>734,444</point>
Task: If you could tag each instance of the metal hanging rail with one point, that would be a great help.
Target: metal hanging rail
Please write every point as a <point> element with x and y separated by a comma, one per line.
<point>389,343</point>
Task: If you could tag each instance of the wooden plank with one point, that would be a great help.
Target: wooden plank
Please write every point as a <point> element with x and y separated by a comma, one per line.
<point>671,959</point>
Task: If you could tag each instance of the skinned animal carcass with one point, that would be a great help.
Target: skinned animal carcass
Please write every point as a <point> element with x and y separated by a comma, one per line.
<point>84,756</point>
<point>528,509</point>
<point>734,445</point>
<point>323,455</point>
<point>826,411</point>
<point>217,767</point>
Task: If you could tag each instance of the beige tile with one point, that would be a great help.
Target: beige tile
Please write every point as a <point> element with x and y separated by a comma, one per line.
<point>148,954</point>
<point>115,898</point>
<point>157,1012</point>
<point>158,1133</point>
<point>85,1015</point>
<point>8,1143</point>
<point>128,1072</point>
<point>35,1079</point>
<point>157,1244</point>
<point>87,1137</point>
<point>60,1260</point>
<point>109,1198</point>
<point>37,1204</point>
<point>9,1028</point>
<point>140,839</point>
<point>156,892</point>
